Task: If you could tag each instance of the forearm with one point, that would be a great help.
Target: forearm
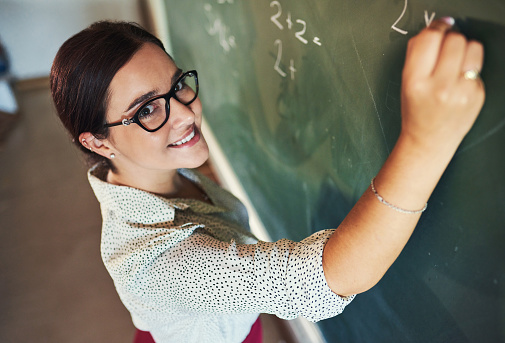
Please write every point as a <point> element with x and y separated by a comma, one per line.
<point>372,236</point>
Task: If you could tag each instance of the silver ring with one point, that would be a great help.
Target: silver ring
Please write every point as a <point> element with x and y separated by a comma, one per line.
<point>472,74</point>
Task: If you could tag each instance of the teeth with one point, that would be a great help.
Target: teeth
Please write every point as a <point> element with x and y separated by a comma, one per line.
<point>185,140</point>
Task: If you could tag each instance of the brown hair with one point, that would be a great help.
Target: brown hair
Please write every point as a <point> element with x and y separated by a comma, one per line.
<point>83,70</point>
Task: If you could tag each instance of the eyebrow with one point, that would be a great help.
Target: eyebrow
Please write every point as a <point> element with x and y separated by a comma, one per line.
<point>150,94</point>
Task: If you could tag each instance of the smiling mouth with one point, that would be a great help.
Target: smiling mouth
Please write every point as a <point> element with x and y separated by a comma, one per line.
<point>185,139</point>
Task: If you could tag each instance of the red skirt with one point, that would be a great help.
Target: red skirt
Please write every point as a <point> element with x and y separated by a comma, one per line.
<point>255,336</point>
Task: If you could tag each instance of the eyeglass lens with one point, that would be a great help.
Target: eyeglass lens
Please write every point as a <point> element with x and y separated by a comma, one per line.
<point>154,113</point>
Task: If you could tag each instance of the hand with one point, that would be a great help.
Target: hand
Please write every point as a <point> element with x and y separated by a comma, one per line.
<point>439,106</point>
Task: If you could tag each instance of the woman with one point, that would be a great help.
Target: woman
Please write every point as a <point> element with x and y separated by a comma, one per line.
<point>178,247</point>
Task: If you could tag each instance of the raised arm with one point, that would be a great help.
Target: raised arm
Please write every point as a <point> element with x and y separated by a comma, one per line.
<point>439,106</point>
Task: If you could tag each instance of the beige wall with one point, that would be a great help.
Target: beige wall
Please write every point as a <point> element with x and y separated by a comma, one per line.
<point>33,30</point>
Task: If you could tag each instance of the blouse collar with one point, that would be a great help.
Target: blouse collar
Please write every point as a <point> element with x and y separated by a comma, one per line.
<point>131,202</point>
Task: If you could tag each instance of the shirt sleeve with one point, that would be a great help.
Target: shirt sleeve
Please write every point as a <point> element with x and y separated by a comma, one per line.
<point>206,275</point>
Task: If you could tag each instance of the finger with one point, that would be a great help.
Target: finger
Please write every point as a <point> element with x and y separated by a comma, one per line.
<point>423,49</point>
<point>473,95</point>
<point>450,60</point>
<point>474,57</point>
<point>442,24</point>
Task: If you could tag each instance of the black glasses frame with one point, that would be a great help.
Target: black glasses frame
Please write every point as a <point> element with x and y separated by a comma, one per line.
<point>171,94</point>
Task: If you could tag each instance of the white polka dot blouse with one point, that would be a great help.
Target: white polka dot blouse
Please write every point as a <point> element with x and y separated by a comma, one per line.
<point>189,271</point>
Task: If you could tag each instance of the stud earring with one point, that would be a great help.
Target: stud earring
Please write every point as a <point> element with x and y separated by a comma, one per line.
<point>112,156</point>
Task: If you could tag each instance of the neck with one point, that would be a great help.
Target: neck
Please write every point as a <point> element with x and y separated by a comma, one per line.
<point>162,182</point>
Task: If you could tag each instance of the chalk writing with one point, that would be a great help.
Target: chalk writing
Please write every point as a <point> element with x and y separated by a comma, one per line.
<point>289,21</point>
<point>275,18</point>
<point>219,28</point>
<point>292,68</point>
<point>276,15</point>
<point>300,33</point>
<point>428,19</point>
<point>403,32</point>
<point>277,67</point>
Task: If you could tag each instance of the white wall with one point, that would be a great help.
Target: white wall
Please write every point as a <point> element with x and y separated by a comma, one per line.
<point>33,30</point>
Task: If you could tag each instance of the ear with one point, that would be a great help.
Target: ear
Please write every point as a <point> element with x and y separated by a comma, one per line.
<point>94,144</point>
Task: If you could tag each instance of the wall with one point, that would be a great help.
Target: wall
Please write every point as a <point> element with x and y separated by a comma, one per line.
<point>33,30</point>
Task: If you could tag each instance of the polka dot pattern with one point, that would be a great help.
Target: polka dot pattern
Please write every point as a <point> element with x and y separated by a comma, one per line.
<point>189,271</point>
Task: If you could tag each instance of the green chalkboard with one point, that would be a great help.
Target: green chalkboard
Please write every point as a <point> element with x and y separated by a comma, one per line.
<point>303,97</point>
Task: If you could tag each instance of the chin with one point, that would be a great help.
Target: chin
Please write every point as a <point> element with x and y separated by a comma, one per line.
<point>198,165</point>
<point>197,160</point>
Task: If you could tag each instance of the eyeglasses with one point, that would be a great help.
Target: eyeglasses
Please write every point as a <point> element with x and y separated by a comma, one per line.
<point>154,113</point>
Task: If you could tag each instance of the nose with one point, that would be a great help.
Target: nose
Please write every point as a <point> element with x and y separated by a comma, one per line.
<point>181,116</point>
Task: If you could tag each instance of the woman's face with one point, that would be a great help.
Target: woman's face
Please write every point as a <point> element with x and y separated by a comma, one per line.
<point>151,71</point>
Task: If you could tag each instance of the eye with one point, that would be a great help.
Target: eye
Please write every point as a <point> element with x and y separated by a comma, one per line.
<point>179,86</point>
<point>147,110</point>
